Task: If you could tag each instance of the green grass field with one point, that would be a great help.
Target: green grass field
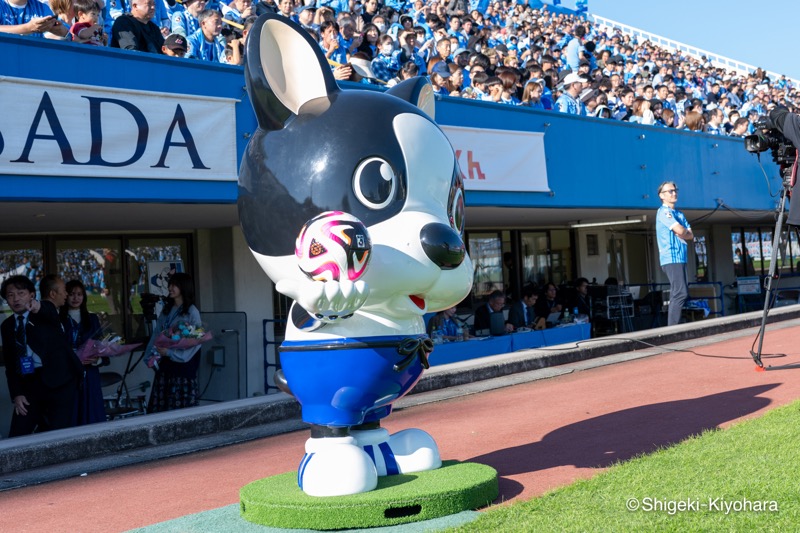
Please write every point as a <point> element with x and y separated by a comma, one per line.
<point>745,478</point>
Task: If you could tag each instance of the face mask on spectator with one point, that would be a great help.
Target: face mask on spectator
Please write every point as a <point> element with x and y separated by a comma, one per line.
<point>387,49</point>
<point>381,27</point>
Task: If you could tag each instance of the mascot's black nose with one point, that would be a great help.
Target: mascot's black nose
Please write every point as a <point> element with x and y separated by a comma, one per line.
<point>443,245</point>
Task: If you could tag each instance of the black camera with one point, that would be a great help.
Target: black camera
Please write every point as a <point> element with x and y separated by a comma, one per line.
<point>148,303</point>
<point>766,138</point>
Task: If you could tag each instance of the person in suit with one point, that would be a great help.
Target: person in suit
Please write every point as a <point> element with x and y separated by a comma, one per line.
<point>549,303</point>
<point>496,303</point>
<point>80,326</point>
<point>41,369</point>
<point>53,291</point>
<point>581,300</point>
<point>521,314</point>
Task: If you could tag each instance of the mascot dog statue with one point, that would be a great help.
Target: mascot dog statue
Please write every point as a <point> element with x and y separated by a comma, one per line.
<point>371,174</point>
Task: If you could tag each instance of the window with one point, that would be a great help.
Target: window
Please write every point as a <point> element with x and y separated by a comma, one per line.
<point>116,271</point>
<point>535,258</point>
<point>752,252</point>
<point>485,249</point>
<point>25,257</point>
<point>700,257</point>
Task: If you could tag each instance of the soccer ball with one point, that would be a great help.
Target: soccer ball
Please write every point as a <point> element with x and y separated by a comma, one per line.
<point>333,246</point>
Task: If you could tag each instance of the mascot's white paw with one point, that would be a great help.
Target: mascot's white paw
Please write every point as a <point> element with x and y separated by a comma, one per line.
<point>409,450</point>
<point>336,467</point>
<point>329,301</point>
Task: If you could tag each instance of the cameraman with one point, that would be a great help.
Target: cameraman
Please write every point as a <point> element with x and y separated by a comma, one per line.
<point>787,123</point>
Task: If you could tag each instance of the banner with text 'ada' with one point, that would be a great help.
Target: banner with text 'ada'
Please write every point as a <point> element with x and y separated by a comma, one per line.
<point>57,129</point>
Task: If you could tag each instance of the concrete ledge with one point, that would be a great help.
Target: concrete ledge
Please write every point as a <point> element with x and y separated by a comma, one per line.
<point>34,451</point>
<point>37,458</point>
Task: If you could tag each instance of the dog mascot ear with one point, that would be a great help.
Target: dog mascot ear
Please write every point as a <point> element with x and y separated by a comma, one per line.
<point>285,69</point>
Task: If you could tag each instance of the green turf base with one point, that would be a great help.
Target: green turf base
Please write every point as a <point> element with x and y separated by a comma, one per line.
<point>277,501</point>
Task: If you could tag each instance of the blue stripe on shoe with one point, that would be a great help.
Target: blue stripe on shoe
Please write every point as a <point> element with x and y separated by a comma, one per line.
<point>388,457</point>
<point>301,469</point>
<point>371,452</point>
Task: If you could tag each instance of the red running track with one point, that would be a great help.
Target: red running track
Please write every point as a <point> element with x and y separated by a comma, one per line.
<point>538,435</point>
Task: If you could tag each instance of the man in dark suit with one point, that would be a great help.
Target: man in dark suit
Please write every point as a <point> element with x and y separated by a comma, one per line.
<point>496,303</point>
<point>521,314</point>
<point>582,301</point>
<point>41,369</point>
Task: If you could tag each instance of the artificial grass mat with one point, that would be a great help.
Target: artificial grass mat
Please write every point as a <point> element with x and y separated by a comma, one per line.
<point>277,501</point>
<point>743,478</point>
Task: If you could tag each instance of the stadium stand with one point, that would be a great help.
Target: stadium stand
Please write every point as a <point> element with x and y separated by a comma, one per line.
<point>613,70</point>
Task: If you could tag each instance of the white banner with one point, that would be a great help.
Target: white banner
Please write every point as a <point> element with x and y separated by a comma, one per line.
<point>500,160</point>
<point>59,129</point>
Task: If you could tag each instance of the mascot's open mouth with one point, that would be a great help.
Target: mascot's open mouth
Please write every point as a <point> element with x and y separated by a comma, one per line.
<point>419,301</point>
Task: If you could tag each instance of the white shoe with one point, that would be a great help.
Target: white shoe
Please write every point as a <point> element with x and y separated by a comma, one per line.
<point>335,467</point>
<point>409,450</point>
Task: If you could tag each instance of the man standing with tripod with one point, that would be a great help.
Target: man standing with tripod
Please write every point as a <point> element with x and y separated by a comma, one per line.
<point>672,232</point>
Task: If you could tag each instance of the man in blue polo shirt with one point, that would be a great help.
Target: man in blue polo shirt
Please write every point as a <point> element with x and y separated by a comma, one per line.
<point>32,18</point>
<point>672,232</point>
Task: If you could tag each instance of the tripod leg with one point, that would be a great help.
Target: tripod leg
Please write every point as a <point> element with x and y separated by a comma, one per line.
<point>772,276</point>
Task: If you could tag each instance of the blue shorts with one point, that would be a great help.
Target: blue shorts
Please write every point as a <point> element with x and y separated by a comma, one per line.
<point>352,381</point>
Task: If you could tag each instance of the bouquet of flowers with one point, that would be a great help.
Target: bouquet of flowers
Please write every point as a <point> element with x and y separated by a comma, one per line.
<point>110,345</point>
<point>182,335</point>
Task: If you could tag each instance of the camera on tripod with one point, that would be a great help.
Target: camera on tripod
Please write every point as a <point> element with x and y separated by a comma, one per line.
<point>766,138</point>
<point>148,303</point>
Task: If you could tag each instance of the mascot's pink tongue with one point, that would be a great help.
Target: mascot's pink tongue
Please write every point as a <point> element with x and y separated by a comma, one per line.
<point>418,301</point>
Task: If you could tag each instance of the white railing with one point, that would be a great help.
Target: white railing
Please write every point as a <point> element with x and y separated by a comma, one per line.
<point>664,42</point>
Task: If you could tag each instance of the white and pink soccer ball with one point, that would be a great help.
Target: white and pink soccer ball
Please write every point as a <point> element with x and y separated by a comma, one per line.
<point>333,246</point>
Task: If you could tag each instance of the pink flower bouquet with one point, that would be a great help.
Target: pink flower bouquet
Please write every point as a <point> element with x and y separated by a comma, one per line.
<point>181,336</point>
<point>94,348</point>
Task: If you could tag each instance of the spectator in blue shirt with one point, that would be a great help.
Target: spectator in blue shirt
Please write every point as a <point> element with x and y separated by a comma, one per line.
<point>348,37</point>
<point>455,31</point>
<point>440,74</point>
<point>478,89</point>
<point>623,109</point>
<point>410,52</point>
<point>207,43</point>
<point>330,44</point>
<point>569,102</point>
<point>532,94</point>
<point>32,18</point>
<point>509,79</point>
<point>574,51</point>
<point>238,10</point>
<point>672,232</point>
<point>185,22</point>
<point>337,5</point>
<point>715,118</point>
<point>286,8</point>
<point>369,40</point>
<point>386,64</point>
<point>305,17</point>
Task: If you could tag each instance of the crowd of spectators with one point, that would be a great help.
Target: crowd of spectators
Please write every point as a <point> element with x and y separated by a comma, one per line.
<point>495,51</point>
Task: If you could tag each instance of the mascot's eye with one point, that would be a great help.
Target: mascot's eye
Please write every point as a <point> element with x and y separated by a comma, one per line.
<point>374,183</point>
<point>457,212</point>
<point>455,203</point>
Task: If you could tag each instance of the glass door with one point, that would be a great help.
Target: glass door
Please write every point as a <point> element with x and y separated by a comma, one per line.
<point>535,257</point>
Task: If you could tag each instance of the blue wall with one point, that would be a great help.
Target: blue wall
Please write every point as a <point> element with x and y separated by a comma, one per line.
<point>591,163</point>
